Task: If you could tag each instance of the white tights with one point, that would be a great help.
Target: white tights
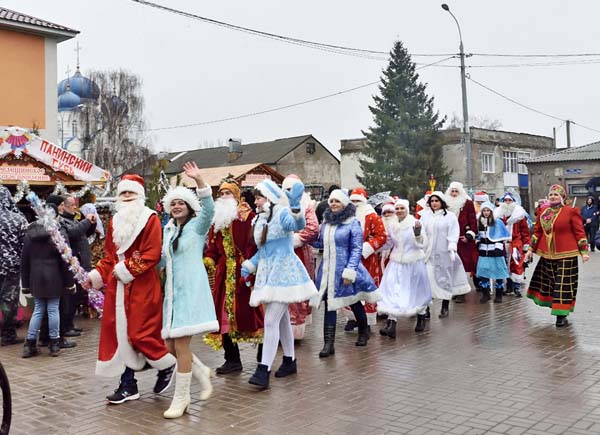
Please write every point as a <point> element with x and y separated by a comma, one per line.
<point>277,327</point>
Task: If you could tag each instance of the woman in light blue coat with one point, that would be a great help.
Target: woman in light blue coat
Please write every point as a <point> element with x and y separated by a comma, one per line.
<point>188,307</point>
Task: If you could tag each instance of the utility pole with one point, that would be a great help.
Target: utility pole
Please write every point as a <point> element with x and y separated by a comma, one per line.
<point>568,133</point>
<point>463,83</point>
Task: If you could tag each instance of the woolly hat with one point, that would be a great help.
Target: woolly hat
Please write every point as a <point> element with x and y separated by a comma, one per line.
<point>131,183</point>
<point>481,196</point>
<point>340,196</point>
<point>359,194</point>
<point>388,207</point>
<point>439,194</point>
<point>558,189</point>
<point>57,200</point>
<point>403,202</point>
<point>289,181</point>
<point>232,186</point>
<point>508,195</point>
<point>271,191</point>
<point>183,193</point>
<point>487,204</point>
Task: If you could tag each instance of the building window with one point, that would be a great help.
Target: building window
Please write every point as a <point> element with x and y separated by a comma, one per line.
<point>523,155</point>
<point>487,163</point>
<point>578,190</point>
<point>74,128</point>
<point>310,148</point>
<point>510,160</point>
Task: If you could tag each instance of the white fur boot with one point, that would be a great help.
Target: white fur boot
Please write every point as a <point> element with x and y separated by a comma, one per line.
<point>203,374</point>
<point>181,398</point>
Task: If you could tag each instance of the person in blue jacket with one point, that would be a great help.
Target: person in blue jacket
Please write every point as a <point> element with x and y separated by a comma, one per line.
<point>342,279</point>
<point>281,278</point>
<point>188,307</point>
<point>590,213</point>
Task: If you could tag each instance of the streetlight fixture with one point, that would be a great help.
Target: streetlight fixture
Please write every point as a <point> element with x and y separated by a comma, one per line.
<point>463,82</point>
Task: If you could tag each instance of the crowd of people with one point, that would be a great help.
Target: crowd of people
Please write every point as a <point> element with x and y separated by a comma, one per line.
<point>252,268</point>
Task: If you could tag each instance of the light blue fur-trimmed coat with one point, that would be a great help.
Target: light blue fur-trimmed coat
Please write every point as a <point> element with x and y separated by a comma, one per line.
<point>280,275</point>
<point>188,306</point>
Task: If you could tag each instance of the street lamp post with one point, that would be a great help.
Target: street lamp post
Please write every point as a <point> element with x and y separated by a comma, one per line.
<point>463,82</point>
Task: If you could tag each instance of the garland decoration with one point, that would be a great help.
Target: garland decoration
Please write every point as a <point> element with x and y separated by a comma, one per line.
<point>60,189</point>
<point>22,190</point>
<point>46,219</point>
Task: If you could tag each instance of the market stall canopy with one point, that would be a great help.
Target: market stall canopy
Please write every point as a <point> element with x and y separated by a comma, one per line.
<point>26,156</point>
<point>246,175</point>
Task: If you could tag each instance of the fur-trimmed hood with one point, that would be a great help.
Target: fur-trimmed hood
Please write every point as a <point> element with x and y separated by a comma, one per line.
<point>340,217</point>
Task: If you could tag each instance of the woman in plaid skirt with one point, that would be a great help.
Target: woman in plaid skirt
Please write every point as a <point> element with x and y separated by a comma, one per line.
<point>558,238</point>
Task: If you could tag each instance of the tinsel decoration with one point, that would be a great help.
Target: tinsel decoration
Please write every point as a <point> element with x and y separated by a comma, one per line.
<point>22,190</point>
<point>61,189</point>
<point>46,219</point>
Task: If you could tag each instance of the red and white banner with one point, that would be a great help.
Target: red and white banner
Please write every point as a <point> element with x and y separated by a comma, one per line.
<point>17,141</point>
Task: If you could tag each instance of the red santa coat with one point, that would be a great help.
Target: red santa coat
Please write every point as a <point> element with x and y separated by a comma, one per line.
<point>301,310</point>
<point>521,239</point>
<point>224,254</point>
<point>374,237</point>
<point>132,317</point>
<point>467,249</point>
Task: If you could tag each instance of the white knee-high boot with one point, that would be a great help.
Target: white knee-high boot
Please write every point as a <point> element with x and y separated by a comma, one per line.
<point>203,374</point>
<point>181,398</point>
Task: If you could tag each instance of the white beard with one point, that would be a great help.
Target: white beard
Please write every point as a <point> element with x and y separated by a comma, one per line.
<point>390,222</point>
<point>126,219</point>
<point>505,210</point>
<point>226,210</point>
<point>455,204</point>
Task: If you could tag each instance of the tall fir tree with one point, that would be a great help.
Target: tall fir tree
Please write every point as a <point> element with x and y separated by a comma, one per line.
<point>402,148</point>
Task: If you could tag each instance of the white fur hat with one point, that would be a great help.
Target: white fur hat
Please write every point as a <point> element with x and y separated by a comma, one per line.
<point>289,181</point>
<point>439,195</point>
<point>340,196</point>
<point>271,191</point>
<point>183,193</point>
<point>403,202</point>
<point>388,207</point>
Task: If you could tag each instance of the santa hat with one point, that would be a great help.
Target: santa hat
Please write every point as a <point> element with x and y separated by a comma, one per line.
<point>388,207</point>
<point>359,194</point>
<point>271,191</point>
<point>232,186</point>
<point>182,193</point>
<point>481,196</point>
<point>340,196</point>
<point>289,181</point>
<point>131,183</point>
<point>403,202</point>
<point>558,189</point>
<point>508,195</point>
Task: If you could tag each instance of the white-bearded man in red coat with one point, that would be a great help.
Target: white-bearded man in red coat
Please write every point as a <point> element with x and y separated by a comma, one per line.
<point>461,205</point>
<point>130,337</point>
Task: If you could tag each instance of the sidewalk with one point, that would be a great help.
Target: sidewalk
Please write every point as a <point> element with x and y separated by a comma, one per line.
<point>494,368</point>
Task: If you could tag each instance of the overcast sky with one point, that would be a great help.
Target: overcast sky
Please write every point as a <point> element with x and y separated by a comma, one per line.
<point>195,72</point>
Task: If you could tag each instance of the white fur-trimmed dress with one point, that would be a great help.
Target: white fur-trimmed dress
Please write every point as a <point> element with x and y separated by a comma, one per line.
<point>188,306</point>
<point>404,287</point>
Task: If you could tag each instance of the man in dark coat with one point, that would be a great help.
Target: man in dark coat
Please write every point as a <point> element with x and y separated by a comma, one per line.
<point>589,214</point>
<point>12,227</point>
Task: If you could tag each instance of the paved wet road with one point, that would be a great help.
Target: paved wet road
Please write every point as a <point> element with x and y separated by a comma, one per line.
<point>497,369</point>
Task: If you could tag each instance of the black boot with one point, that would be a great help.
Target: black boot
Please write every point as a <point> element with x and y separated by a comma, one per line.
<point>498,297</point>
<point>384,331</point>
<point>485,295</point>
<point>30,349</point>
<point>54,347</point>
<point>329,338</point>
<point>10,337</point>
<point>260,376</point>
<point>420,327</point>
<point>258,352</point>
<point>444,311</point>
<point>428,313</point>
<point>66,344</point>
<point>232,357</point>
<point>460,299</point>
<point>350,325</point>
<point>363,335</point>
<point>561,321</point>
<point>288,367</point>
<point>392,329</point>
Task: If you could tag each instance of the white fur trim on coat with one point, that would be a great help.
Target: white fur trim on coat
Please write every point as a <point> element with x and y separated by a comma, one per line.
<point>249,265</point>
<point>451,246</point>
<point>130,186</point>
<point>163,363</point>
<point>369,297</point>
<point>285,294</point>
<point>96,279</point>
<point>349,274</point>
<point>298,243</point>
<point>188,331</point>
<point>122,273</point>
<point>367,250</point>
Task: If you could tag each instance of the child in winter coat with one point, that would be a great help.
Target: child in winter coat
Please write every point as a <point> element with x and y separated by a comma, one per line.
<point>491,236</point>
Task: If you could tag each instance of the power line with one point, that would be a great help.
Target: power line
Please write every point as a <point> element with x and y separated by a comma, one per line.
<point>287,106</point>
<point>332,48</point>
<point>587,128</point>
<point>536,55</point>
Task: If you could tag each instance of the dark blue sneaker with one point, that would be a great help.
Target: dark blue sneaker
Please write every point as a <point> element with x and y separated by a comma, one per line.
<point>164,379</point>
<point>123,394</point>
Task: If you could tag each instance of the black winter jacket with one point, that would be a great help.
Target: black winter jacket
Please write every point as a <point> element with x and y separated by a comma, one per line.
<point>78,232</point>
<point>43,271</point>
